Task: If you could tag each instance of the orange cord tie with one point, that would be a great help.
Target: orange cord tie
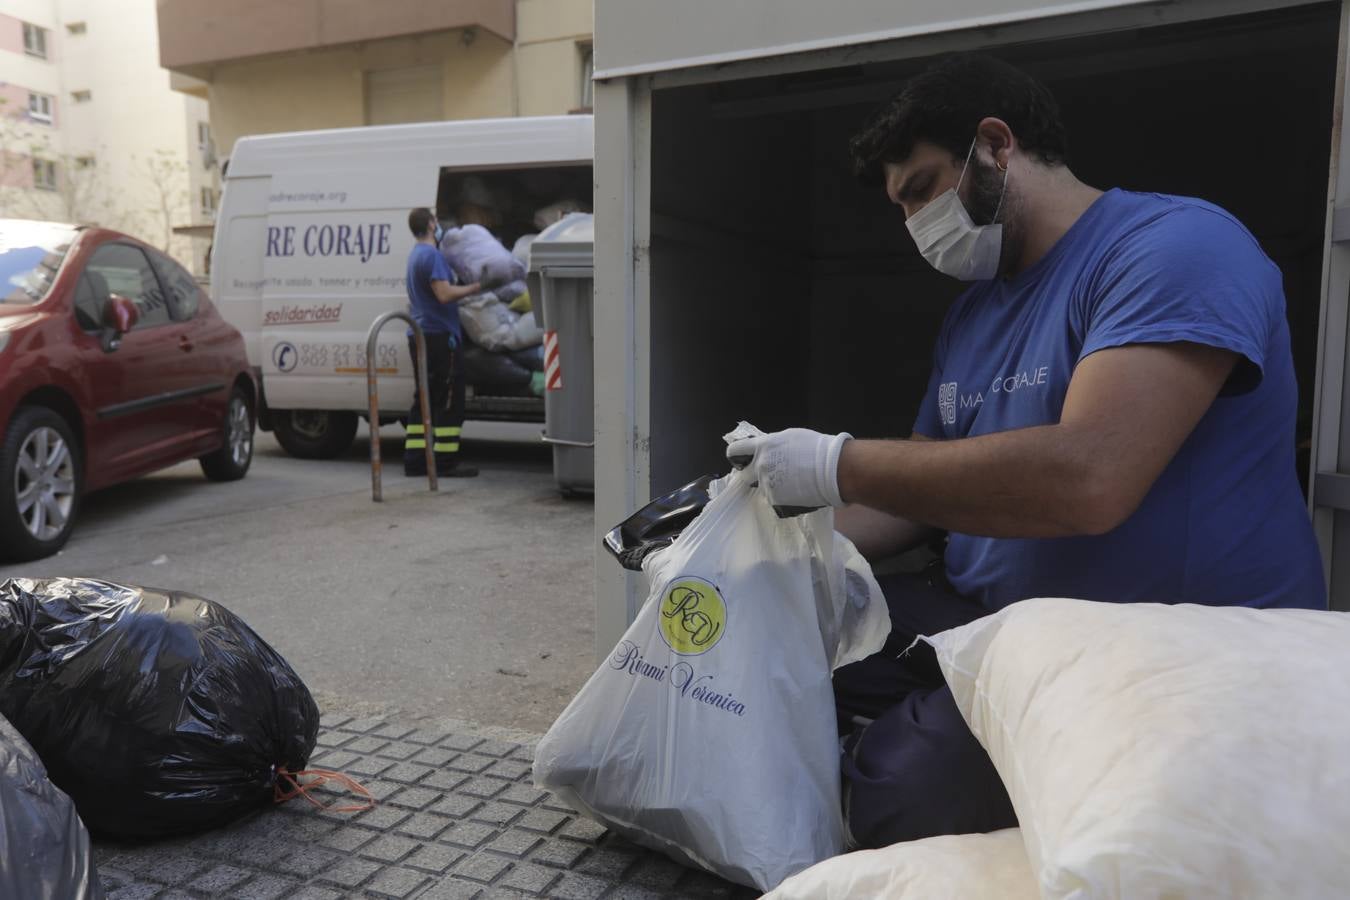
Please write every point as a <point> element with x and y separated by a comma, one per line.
<point>320,777</point>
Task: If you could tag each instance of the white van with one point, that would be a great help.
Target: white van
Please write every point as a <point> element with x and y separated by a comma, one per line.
<point>312,241</point>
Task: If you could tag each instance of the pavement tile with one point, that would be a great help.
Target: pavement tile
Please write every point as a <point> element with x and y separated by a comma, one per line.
<point>383,789</point>
<point>394,731</point>
<point>333,720</point>
<point>523,753</point>
<point>389,848</point>
<point>572,886</point>
<point>704,885</point>
<point>333,759</point>
<point>305,861</point>
<point>496,748</point>
<point>482,786</point>
<point>172,868</point>
<point>425,825</point>
<point>396,884</point>
<point>401,749</point>
<point>495,813</point>
<point>367,744</point>
<point>560,854</point>
<point>607,863</point>
<point>460,742</point>
<point>530,878</point>
<point>468,835</point>
<point>510,769</point>
<point>428,735</point>
<point>522,794</point>
<point>434,858</point>
<point>415,797</point>
<point>350,872</point>
<point>470,762</point>
<point>370,723</point>
<point>175,894</point>
<point>113,878</point>
<point>443,780</point>
<point>219,880</point>
<point>552,801</point>
<point>633,892</point>
<point>584,830</point>
<point>482,867</point>
<point>304,826</point>
<point>545,820</point>
<point>434,756</point>
<point>331,739</point>
<point>136,891</point>
<point>314,892</point>
<point>383,817</point>
<point>407,772</point>
<point>452,889</point>
<point>266,887</point>
<point>456,805</point>
<point>369,766</point>
<point>515,843</point>
<point>347,840</point>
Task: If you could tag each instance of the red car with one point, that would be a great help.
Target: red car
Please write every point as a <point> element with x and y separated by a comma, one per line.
<point>113,363</point>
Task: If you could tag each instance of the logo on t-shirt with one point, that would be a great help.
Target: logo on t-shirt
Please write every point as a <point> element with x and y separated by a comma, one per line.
<point>947,402</point>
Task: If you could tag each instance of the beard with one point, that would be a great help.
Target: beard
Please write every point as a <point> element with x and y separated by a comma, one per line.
<point>986,189</point>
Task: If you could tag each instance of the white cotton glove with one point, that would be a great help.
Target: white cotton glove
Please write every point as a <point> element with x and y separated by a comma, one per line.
<point>797,468</point>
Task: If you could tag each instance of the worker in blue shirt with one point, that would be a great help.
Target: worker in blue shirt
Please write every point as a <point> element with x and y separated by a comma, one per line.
<point>433,301</point>
<point>1110,417</point>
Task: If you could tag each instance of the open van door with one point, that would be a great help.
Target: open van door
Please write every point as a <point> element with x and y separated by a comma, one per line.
<point>1330,484</point>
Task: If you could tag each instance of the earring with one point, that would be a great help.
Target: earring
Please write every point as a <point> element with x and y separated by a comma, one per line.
<point>1002,167</point>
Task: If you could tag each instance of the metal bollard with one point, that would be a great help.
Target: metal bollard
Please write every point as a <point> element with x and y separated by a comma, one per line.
<point>421,369</point>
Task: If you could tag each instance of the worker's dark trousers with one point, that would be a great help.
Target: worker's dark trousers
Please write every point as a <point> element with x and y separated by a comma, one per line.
<point>445,389</point>
<point>916,770</point>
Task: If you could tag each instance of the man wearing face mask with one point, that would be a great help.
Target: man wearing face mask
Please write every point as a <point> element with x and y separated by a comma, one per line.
<point>433,298</point>
<point>1110,417</point>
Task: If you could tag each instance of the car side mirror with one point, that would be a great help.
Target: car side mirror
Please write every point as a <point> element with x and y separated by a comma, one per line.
<point>119,316</point>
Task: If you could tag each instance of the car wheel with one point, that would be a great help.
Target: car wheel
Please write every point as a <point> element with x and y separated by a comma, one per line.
<point>231,461</point>
<point>314,433</point>
<point>40,478</point>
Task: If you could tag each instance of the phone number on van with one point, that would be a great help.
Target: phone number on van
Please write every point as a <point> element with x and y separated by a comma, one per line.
<point>344,359</point>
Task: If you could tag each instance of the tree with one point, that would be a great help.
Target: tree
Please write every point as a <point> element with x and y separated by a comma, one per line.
<point>80,193</point>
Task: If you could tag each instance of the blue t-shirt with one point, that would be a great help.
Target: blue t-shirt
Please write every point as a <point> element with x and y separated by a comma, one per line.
<point>1225,523</point>
<point>425,265</point>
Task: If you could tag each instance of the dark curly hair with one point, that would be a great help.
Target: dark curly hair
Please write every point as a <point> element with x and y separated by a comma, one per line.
<point>944,104</point>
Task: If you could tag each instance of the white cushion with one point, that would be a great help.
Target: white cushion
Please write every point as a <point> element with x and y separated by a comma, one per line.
<point>1166,751</point>
<point>967,866</point>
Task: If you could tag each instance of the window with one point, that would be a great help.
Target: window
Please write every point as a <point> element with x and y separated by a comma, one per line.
<point>75,28</point>
<point>40,108</point>
<point>587,75</point>
<point>184,292</point>
<point>85,162</point>
<point>208,202</point>
<point>34,40</point>
<point>44,174</point>
<point>81,96</point>
<point>89,302</point>
<point>203,135</point>
<point>123,269</point>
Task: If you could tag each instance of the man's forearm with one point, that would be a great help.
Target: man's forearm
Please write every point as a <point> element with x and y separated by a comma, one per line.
<point>1032,482</point>
<point>878,534</point>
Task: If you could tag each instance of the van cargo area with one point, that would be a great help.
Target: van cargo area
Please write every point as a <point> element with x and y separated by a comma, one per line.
<point>784,292</point>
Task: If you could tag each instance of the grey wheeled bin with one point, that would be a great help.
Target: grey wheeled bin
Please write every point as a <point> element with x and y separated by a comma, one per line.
<point>561,280</point>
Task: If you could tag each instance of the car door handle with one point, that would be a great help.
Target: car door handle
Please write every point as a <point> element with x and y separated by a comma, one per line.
<point>185,343</point>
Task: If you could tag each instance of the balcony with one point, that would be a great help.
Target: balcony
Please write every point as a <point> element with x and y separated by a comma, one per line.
<point>197,34</point>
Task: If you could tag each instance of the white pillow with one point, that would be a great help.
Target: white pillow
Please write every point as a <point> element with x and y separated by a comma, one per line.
<point>966,866</point>
<point>1166,751</point>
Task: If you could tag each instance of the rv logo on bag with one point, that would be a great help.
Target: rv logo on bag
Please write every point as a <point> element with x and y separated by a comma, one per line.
<point>693,615</point>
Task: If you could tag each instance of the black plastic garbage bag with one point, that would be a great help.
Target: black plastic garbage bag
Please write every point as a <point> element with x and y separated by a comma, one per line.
<point>157,712</point>
<point>657,524</point>
<point>44,849</point>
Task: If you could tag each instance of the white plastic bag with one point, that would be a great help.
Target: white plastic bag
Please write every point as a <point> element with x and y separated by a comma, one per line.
<point>492,326</point>
<point>710,732</point>
<point>477,256</point>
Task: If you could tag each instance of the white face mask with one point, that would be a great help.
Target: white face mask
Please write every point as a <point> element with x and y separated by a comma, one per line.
<point>951,242</point>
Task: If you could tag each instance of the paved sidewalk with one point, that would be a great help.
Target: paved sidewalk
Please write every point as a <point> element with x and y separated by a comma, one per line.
<point>457,819</point>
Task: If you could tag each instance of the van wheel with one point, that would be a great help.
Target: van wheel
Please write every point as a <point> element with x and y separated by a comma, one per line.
<point>314,433</point>
<point>40,480</point>
<point>231,461</point>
